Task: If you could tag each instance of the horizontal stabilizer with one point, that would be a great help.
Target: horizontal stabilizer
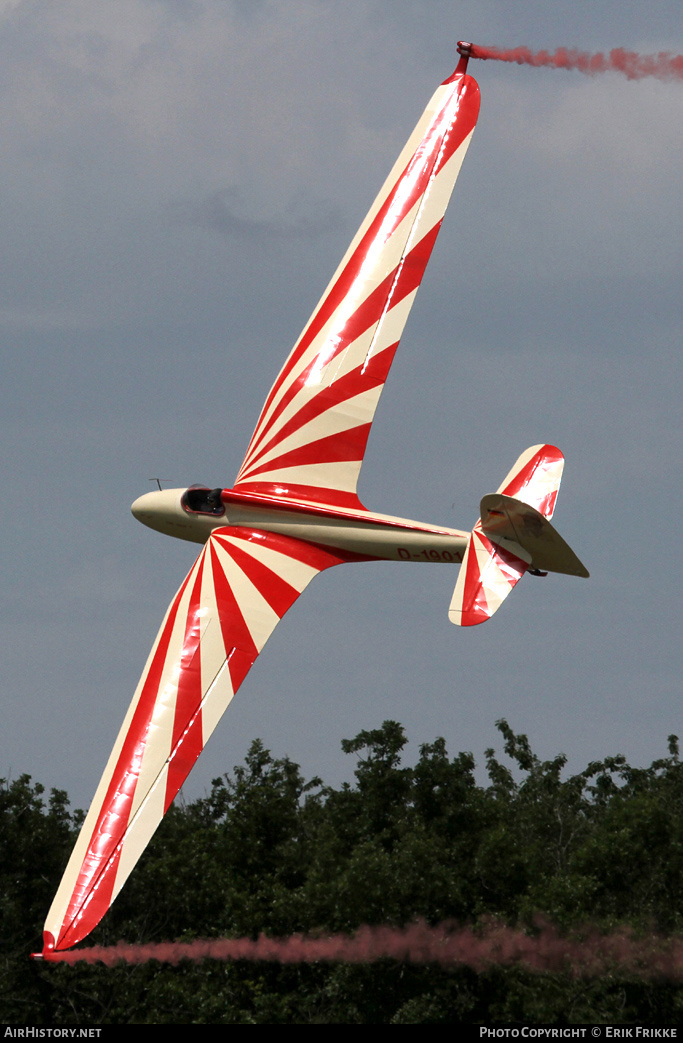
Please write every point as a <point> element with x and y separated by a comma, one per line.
<point>487,575</point>
<point>507,522</point>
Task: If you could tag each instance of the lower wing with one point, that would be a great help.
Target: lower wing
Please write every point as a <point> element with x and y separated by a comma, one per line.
<point>237,591</point>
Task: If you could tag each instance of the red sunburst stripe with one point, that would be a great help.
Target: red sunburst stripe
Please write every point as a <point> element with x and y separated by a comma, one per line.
<point>236,633</point>
<point>239,664</point>
<point>276,591</point>
<point>188,738</point>
<point>341,390</point>
<point>474,605</point>
<point>370,311</point>
<point>475,608</point>
<point>305,493</point>
<point>239,645</point>
<point>299,550</point>
<point>346,278</point>
<point>102,858</point>
<point>467,113</point>
<point>546,506</point>
<point>346,446</point>
<point>187,742</point>
<point>548,454</point>
<point>404,278</point>
<point>367,314</point>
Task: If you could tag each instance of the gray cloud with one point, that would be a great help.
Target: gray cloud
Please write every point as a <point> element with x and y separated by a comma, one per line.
<point>139,336</point>
<point>225,212</point>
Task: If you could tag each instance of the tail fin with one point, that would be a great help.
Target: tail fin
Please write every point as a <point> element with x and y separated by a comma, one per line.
<point>513,536</point>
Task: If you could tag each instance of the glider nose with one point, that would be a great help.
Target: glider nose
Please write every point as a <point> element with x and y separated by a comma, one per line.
<point>160,510</point>
<point>150,507</point>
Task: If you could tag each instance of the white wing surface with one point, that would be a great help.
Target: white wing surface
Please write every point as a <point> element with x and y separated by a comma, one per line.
<point>237,591</point>
<point>311,436</point>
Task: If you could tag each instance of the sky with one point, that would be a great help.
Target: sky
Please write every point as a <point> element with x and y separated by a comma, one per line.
<point>178,181</point>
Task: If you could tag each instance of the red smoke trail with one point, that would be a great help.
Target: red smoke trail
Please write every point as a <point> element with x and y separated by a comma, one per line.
<point>662,66</point>
<point>448,945</point>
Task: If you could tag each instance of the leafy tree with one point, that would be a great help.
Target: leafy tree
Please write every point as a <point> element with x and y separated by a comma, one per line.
<point>266,851</point>
<point>35,842</point>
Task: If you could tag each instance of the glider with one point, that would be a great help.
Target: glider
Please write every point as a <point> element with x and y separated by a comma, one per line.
<point>293,512</point>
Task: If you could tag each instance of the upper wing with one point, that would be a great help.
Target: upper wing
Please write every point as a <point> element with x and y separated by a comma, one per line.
<point>237,591</point>
<point>311,436</point>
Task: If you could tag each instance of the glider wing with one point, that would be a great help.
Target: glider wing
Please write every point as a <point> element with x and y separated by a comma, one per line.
<point>310,439</point>
<point>237,591</point>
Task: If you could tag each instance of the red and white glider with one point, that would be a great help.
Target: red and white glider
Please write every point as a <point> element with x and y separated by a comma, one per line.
<point>293,511</point>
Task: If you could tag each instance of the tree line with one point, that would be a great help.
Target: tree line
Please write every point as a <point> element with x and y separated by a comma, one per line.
<point>266,851</point>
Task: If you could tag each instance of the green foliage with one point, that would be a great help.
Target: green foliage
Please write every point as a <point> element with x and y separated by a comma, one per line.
<point>35,843</point>
<point>266,851</point>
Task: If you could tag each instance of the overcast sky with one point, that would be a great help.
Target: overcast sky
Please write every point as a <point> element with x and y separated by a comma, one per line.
<point>178,180</point>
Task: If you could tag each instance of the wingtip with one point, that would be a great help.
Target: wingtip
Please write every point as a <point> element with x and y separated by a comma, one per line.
<point>48,952</point>
<point>465,51</point>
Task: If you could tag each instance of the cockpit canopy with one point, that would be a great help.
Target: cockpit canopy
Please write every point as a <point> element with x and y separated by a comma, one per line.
<point>199,499</point>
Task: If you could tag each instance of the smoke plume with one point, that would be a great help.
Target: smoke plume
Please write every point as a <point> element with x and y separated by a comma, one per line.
<point>662,66</point>
<point>587,955</point>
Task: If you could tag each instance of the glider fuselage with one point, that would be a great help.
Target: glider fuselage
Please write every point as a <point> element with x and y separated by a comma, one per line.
<point>353,532</point>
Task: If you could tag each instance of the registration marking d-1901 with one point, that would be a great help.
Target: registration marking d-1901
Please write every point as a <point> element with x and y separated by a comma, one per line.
<point>430,555</point>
